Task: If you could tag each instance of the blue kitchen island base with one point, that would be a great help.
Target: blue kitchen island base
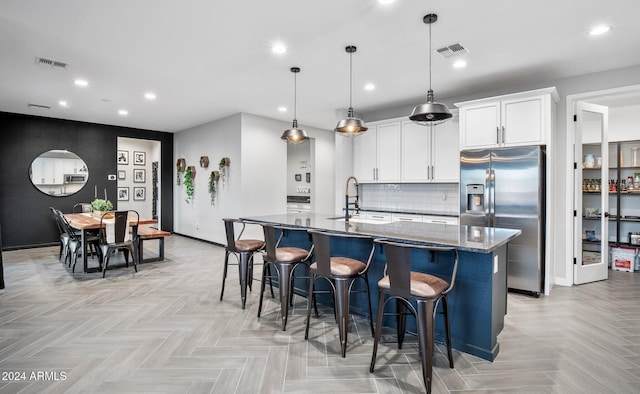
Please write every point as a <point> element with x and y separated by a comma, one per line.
<point>478,302</point>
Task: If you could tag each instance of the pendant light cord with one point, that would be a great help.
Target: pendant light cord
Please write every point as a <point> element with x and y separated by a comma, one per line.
<point>429,56</point>
<point>350,79</point>
<point>295,95</point>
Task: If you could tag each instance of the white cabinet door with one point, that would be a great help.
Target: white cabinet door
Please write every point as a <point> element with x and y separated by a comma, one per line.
<point>445,155</point>
<point>388,152</point>
<point>416,152</point>
<point>364,156</point>
<point>518,119</point>
<point>523,122</point>
<point>480,125</point>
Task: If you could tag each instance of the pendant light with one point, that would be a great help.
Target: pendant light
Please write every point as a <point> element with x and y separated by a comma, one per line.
<point>294,135</point>
<point>430,113</point>
<point>351,125</point>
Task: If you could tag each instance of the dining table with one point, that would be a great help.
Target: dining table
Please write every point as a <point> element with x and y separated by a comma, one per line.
<point>85,222</point>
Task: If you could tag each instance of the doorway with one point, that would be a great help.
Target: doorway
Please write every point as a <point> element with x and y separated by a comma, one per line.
<point>138,176</point>
<point>604,121</point>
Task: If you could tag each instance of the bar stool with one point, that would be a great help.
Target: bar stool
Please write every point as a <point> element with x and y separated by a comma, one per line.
<point>341,273</point>
<point>285,260</point>
<point>243,250</point>
<point>404,285</point>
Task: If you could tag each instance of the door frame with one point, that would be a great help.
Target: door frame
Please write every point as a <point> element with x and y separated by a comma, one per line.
<point>566,278</point>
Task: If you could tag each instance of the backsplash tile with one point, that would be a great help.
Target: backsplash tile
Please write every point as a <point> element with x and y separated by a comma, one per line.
<point>411,197</point>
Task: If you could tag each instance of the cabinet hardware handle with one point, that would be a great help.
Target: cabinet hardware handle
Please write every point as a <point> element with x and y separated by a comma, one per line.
<point>503,134</point>
<point>497,135</point>
<point>373,170</point>
<point>439,221</point>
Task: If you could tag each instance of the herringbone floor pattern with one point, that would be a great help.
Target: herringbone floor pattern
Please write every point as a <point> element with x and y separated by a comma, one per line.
<point>164,330</point>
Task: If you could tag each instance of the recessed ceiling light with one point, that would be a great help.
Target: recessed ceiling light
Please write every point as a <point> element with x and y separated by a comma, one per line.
<point>459,64</point>
<point>150,96</point>
<point>385,1</point>
<point>63,103</point>
<point>123,112</point>
<point>81,82</point>
<point>596,31</point>
<point>369,86</point>
<point>279,48</point>
<point>282,109</point>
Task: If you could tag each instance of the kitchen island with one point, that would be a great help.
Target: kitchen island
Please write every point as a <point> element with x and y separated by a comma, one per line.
<point>478,302</point>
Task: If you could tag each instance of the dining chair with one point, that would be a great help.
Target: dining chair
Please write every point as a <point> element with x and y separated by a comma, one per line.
<point>82,207</point>
<point>75,242</point>
<point>115,235</point>
<point>424,290</point>
<point>64,236</point>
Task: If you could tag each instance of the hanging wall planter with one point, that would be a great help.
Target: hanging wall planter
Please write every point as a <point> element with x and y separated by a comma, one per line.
<point>204,161</point>
<point>181,165</point>
<point>213,185</point>
<point>222,166</point>
<point>189,174</point>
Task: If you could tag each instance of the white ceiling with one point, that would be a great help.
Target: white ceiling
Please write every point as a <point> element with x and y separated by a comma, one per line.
<point>207,59</point>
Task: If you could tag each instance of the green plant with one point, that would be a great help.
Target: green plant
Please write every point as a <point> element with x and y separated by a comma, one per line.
<point>178,176</point>
<point>101,205</point>
<point>222,166</point>
<point>188,183</point>
<point>213,185</point>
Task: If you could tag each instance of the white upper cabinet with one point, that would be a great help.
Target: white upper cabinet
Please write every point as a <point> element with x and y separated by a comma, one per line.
<point>512,120</point>
<point>430,153</point>
<point>376,153</point>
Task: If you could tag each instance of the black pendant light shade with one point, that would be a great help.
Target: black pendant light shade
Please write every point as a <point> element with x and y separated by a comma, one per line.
<point>294,135</point>
<point>350,125</point>
<point>430,113</point>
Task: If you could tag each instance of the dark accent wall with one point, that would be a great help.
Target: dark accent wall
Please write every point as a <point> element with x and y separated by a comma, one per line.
<point>24,210</point>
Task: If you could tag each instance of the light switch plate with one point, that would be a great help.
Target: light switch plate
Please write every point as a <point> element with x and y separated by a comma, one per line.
<point>111,177</point>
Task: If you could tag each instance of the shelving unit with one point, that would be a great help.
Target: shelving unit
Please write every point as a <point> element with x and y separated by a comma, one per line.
<point>624,203</point>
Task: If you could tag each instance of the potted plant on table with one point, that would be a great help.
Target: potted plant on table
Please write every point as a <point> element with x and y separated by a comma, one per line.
<point>100,207</point>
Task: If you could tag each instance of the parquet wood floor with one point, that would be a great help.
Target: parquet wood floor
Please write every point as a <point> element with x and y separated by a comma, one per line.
<point>164,330</point>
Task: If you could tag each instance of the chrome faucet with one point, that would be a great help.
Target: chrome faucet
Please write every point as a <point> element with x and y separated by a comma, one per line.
<point>347,196</point>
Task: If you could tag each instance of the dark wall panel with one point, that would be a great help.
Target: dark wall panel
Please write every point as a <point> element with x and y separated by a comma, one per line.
<point>24,213</point>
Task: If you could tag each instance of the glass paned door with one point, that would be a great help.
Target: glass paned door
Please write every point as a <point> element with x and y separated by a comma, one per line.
<point>591,225</point>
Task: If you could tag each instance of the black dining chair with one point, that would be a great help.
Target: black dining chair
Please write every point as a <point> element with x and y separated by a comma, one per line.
<point>115,235</point>
<point>75,242</point>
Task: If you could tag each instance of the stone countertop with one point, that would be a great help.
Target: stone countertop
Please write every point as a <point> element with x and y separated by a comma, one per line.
<point>465,238</point>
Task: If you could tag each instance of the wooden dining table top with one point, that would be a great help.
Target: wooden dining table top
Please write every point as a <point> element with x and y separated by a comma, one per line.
<point>86,221</point>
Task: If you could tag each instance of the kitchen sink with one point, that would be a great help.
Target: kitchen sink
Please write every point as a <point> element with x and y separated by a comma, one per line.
<point>362,220</point>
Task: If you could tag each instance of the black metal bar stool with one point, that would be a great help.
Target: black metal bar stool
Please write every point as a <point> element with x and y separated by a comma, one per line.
<point>243,250</point>
<point>404,285</point>
<point>341,273</point>
<point>285,260</point>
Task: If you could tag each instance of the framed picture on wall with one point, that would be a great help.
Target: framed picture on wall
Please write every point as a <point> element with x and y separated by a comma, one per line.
<point>122,175</point>
<point>139,175</point>
<point>139,193</point>
<point>139,158</point>
<point>123,157</point>
<point>123,193</point>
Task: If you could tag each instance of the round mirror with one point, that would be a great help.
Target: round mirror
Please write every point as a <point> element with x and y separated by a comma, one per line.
<point>59,173</point>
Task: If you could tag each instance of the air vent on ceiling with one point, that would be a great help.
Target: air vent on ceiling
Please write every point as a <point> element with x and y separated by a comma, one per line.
<point>39,106</point>
<point>452,50</point>
<point>51,63</point>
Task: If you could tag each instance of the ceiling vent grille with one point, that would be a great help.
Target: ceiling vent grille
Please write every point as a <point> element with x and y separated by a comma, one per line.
<point>452,50</point>
<point>41,61</point>
<point>38,106</point>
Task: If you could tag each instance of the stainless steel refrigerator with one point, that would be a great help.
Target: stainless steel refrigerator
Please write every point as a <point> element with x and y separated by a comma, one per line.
<point>505,187</point>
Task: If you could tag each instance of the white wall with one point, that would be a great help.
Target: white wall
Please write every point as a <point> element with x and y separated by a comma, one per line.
<point>256,183</point>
